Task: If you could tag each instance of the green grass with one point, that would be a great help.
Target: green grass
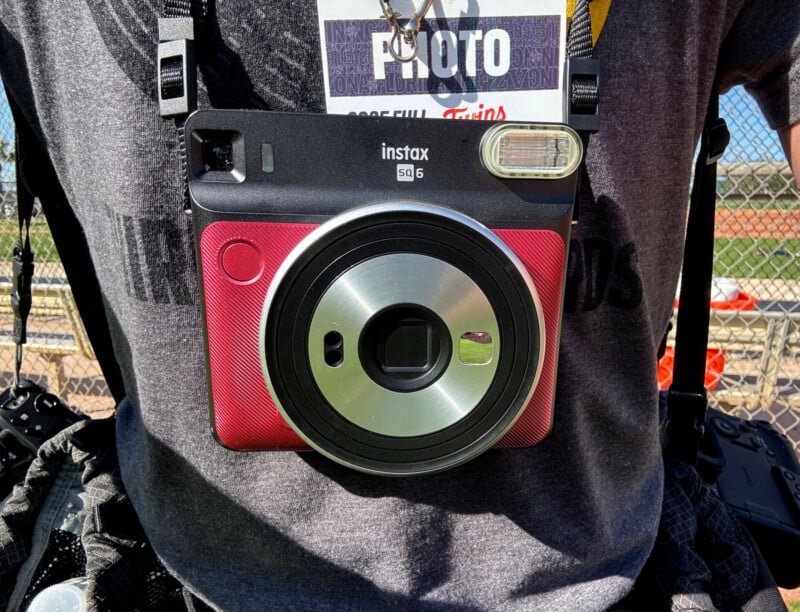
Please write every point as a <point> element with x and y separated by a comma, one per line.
<point>41,242</point>
<point>474,353</point>
<point>757,258</point>
<point>794,606</point>
<point>765,204</point>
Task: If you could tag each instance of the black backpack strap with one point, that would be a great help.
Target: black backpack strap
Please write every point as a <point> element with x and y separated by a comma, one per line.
<point>687,398</point>
<point>37,178</point>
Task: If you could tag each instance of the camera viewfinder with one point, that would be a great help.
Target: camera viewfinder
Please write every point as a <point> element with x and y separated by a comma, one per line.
<point>218,155</point>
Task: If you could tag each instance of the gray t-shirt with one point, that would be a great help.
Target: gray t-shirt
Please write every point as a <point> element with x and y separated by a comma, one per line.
<point>566,524</point>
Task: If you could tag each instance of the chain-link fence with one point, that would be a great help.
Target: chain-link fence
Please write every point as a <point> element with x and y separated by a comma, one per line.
<point>754,357</point>
<point>757,258</point>
<point>57,354</point>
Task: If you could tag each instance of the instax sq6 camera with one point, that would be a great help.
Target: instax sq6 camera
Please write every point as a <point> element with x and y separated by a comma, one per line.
<point>386,291</point>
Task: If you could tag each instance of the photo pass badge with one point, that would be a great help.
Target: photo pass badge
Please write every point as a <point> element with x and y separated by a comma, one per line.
<point>499,61</point>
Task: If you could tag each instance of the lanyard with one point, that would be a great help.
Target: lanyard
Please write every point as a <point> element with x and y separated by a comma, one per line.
<point>598,10</point>
<point>176,71</point>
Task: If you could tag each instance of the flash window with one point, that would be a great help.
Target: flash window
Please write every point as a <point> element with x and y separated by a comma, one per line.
<point>531,151</point>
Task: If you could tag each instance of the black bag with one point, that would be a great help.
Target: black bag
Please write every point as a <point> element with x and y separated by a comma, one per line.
<point>755,470</point>
<point>703,558</point>
<point>28,416</point>
<point>71,518</point>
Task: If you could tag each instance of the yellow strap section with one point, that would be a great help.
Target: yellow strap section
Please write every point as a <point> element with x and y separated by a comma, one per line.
<point>598,11</point>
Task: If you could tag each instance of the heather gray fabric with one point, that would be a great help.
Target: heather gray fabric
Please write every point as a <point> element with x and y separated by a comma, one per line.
<point>567,524</point>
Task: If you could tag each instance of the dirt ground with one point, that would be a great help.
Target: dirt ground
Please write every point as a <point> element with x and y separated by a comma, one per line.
<point>791,596</point>
<point>751,223</point>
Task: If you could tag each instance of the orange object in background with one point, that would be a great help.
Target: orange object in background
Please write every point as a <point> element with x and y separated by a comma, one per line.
<point>715,364</point>
<point>715,358</point>
<point>741,301</point>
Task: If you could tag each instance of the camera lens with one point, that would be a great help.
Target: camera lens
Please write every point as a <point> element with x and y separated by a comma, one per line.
<point>383,351</point>
<point>405,347</point>
<point>218,154</point>
<point>407,361</point>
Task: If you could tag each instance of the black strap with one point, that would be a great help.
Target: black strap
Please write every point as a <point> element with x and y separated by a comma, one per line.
<point>182,22</point>
<point>196,9</point>
<point>583,90</point>
<point>583,74</point>
<point>21,298</point>
<point>687,399</point>
<point>36,177</point>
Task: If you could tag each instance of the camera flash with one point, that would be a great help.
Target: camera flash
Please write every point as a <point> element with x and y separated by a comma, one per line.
<point>531,151</point>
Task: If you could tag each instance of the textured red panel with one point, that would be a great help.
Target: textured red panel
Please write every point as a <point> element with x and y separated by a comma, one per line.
<point>244,414</point>
<point>544,254</point>
<point>245,417</point>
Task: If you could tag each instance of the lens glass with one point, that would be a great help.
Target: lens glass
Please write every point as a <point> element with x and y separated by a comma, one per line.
<point>405,347</point>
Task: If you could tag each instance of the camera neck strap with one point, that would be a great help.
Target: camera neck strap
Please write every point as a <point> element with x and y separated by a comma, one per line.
<point>583,71</point>
<point>183,21</point>
<point>37,179</point>
<point>687,398</point>
<point>22,261</point>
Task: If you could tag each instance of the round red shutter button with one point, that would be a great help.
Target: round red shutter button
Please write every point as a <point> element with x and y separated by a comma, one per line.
<point>241,261</point>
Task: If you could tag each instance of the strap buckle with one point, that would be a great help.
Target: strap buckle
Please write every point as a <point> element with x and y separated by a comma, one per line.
<point>21,300</point>
<point>684,427</point>
<point>177,80</point>
<point>21,293</point>
<point>583,94</point>
<point>716,138</point>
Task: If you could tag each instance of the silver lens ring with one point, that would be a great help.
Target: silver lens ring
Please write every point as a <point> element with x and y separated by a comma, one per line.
<point>373,286</point>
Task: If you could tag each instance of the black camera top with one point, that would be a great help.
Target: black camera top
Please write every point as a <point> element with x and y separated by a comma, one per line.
<point>236,157</point>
